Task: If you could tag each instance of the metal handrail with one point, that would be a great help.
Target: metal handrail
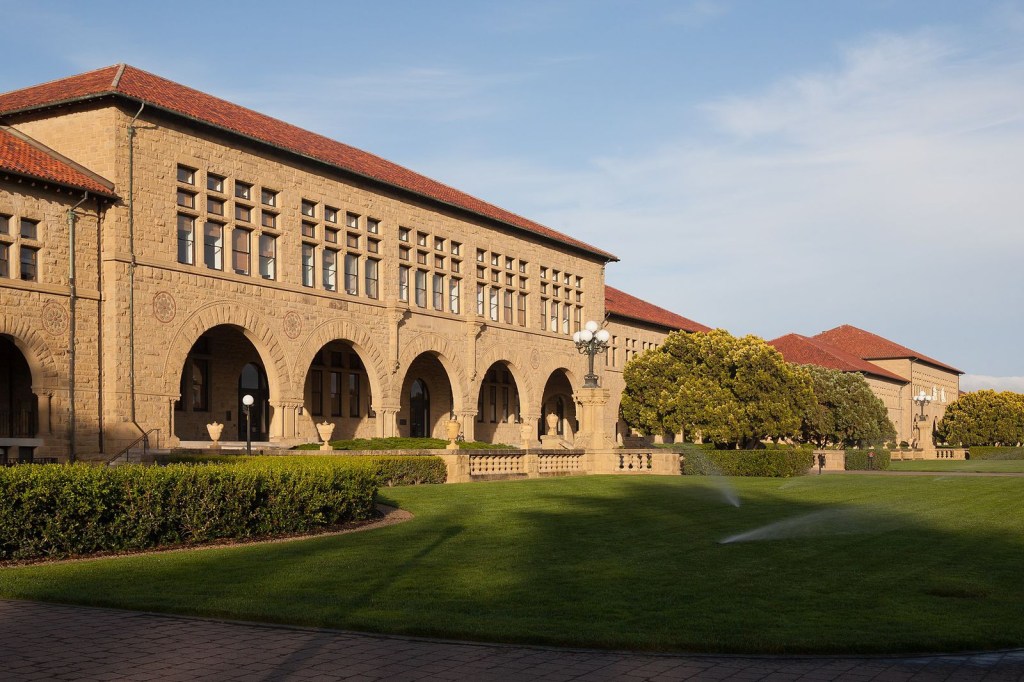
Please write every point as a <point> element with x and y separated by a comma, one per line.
<point>144,439</point>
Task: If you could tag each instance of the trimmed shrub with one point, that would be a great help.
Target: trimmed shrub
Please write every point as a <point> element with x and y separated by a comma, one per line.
<point>389,470</point>
<point>995,452</point>
<point>857,460</point>
<point>64,510</point>
<point>772,463</point>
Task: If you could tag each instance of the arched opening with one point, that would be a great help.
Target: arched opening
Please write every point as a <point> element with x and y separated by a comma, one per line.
<point>253,382</point>
<point>18,405</point>
<point>337,390</point>
<point>558,401</point>
<point>427,399</point>
<point>220,368</point>
<point>498,413</point>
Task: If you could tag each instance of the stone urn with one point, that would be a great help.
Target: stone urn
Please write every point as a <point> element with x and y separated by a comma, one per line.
<point>552,421</point>
<point>215,430</point>
<point>452,430</point>
<point>326,430</point>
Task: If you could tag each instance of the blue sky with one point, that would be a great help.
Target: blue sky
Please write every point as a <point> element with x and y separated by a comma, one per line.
<point>762,166</point>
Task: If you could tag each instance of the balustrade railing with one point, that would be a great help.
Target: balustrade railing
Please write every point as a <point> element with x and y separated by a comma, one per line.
<point>640,462</point>
<point>491,465</point>
<point>559,464</point>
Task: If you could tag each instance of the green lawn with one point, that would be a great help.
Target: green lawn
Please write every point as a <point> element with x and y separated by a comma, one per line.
<point>855,564</point>
<point>972,465</point>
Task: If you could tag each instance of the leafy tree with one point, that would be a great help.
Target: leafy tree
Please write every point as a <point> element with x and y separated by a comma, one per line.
<point>846,411</point>
<point>984,418</point>
<point>733,390</point>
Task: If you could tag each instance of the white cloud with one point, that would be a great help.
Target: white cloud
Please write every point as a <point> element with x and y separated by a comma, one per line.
<point>977,382</point>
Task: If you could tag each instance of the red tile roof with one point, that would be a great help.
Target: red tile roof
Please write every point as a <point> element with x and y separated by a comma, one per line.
<point>620,303</point>
<point>870,346</point>
<point>136,84</point>
<point>21,155</point>
<point>802,350</point>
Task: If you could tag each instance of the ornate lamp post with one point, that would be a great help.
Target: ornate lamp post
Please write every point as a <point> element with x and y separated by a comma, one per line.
<point>591,340</point>
<point>922,399</point>
<point>247,402</point>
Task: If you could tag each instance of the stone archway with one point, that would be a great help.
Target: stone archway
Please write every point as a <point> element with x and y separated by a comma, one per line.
<point>427,399</point>
<point>558,399</point>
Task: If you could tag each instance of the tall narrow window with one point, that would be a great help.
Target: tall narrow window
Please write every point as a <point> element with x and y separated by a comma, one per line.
<point>494,304</point>
<point>421,288</point>
<point>29,264</point>
<point>240,251</point>
<point>5,223</point>
<point>336,394</point>
<point>554,316</point>
<point>317,393</point>
<point>577,322</point>
<point>330,270</point>
<point>372,270</point>
<point>354,408</point>
<point>455,295</point>
<point>213,246</point>
<point>565,317</point>
<point>438,291</point>
<point>507,306</point>
<point>268,256</point>
<point>186,239</point>
<point>200,385</point>
<point>403,283</point>
<point>522,310</point>
<point>352,274</point>
<point>5,260</point>
<point>308,264</point>
<point>480,289</point>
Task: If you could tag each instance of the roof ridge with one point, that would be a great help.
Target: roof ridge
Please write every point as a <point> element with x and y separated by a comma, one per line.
<point>117,76</point>
<point>56,80</point>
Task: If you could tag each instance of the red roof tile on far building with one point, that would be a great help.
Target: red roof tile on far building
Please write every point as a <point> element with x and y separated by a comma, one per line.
<point>870,346</point>
<point>127,82</point>
<point>24,157</point>
<point>803,350</point>
<point>620,303</point>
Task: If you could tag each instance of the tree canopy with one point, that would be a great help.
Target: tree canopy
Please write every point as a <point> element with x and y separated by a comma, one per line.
<point>846,413</point>
<point>984,418</point>
<point>732,390</point>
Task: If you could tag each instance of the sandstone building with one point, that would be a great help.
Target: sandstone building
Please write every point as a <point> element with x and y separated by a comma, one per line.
<point>895,373</point>
<point>164,252</point>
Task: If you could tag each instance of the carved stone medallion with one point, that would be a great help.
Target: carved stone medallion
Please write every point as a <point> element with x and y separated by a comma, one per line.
<point>292,325</point>
<point>164,306</point>
<point>55,319</point>
<point>535,358</point>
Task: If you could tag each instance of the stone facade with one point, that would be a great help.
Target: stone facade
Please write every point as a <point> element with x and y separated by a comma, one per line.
<point>195,287</point>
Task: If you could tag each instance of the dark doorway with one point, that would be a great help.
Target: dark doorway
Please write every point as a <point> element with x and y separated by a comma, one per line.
<point>17,402</point>
<point>419,408</point>
<point>253,381</point>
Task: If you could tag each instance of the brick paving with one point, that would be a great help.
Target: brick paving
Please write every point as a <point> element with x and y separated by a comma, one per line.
<point>56,642</point>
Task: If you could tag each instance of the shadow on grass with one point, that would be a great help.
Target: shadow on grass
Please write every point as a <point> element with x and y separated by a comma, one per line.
<point>835,565</point>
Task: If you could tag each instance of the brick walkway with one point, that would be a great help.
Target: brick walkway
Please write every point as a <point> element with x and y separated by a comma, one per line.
<point>53,642</point>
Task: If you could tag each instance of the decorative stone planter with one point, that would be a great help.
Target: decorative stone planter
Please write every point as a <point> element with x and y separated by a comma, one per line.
<point>452,430</point>
<point>215,430</point>
<point>326,430</point>
<point>552,422</point>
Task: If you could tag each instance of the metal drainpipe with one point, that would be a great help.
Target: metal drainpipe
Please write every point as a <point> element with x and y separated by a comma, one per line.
<point>131,265</point>
<point>72,455</point>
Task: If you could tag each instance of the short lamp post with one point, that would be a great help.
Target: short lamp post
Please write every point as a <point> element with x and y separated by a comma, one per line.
<point>922,399</point>
<point>247,405</point>
<point>591,340</point>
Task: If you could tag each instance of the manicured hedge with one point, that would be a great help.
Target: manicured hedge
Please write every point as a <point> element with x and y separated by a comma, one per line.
<point>63,510</point>
<point>773,463</point>
<point>994,452</point>
<point>389,470</point>
<point>857,460</point>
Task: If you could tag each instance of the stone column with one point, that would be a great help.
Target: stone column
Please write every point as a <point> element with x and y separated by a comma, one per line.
<point>467,418</point>
<point>593,430</point>
<point>387,420</point>
<point>44,404</point>
<point>528,431</point>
